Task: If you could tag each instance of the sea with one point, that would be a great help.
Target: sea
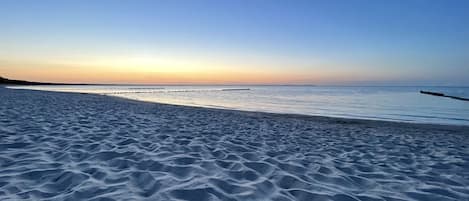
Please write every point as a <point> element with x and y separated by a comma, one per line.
<point>390,103</point>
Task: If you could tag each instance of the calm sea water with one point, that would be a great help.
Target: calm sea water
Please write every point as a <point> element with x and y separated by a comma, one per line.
<point>383,103</point>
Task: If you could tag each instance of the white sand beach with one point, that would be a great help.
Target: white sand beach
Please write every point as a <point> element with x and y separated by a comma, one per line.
<point>71,146</point>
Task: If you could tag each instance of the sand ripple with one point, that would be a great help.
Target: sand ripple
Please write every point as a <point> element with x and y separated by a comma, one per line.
<point>58,146</point>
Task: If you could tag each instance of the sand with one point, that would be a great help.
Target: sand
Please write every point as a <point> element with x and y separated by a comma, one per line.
<point>69,146</point>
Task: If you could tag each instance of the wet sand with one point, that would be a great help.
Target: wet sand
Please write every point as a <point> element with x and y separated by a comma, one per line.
<point>70,146</point>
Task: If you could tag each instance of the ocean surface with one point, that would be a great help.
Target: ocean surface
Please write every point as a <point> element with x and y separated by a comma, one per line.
<point>403,104</point>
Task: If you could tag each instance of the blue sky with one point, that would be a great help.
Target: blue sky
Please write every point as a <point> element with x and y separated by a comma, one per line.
<point>392,42</point>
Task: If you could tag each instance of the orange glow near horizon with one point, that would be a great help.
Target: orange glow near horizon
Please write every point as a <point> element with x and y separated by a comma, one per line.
<point>151,71</point>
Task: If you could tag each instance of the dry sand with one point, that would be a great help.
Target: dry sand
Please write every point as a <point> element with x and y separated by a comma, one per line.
<point>68,146</point>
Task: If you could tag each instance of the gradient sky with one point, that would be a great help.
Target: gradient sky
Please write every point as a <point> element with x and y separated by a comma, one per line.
<point>254,41</point>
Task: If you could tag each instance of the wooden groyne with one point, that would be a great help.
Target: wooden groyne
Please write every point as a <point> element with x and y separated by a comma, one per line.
<point>432,93</point>
<point>458,98</point>
<point>240,89</point>
<point>443,95</point>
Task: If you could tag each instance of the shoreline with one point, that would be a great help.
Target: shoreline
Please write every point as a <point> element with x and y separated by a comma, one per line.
<point>298,116</point>
<point>72,146</point>
<point>291,115</point>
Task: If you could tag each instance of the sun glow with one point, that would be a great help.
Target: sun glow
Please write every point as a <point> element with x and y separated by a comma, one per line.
<point>148,69</point>
<point>142,70</point>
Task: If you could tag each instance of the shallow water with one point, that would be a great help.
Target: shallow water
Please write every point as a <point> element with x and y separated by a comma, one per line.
<point>382,103</point>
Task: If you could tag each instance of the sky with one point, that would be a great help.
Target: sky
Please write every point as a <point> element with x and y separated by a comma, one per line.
<point>391,42</point>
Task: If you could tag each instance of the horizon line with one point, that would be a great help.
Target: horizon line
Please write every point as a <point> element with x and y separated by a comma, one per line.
<point>234,84</point>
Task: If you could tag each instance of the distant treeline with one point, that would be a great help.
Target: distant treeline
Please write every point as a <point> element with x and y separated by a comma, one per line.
<point>19,82</point>
<point>5,81</point>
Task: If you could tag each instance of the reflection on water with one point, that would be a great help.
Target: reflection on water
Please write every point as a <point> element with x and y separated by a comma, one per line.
<point>385,103</point>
